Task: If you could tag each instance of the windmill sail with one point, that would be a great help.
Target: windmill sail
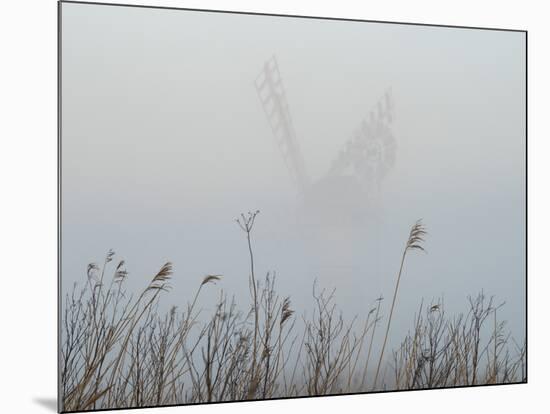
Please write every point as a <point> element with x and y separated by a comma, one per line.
<point>370,153</point>
<point>271,92</point>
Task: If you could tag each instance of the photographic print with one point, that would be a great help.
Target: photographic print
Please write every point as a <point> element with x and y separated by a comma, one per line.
<point>257,206</point>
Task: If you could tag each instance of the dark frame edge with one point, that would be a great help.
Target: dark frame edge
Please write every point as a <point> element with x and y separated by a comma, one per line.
<point>59,277</point>
<point>239,12</point>
<point>468,387</point>
<point>526,205</point>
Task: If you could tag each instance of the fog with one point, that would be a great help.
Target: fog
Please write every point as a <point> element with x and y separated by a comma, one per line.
<point>165,142</point>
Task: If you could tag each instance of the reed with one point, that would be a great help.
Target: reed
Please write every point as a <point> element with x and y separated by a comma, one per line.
<point>414,242</point>
<point>118,350</point>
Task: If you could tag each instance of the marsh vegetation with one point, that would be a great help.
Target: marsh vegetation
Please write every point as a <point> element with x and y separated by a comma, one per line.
<point>118,349</point>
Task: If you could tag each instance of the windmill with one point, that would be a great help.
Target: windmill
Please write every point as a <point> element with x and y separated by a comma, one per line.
<point>358,168</point>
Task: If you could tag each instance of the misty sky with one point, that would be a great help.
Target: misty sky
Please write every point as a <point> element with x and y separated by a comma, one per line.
<point>165,142</point>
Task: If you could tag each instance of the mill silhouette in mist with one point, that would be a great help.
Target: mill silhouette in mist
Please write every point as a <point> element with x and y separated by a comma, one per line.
<point>357,170</point>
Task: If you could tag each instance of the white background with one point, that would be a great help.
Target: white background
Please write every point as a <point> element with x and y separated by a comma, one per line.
<point>28,182</point>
